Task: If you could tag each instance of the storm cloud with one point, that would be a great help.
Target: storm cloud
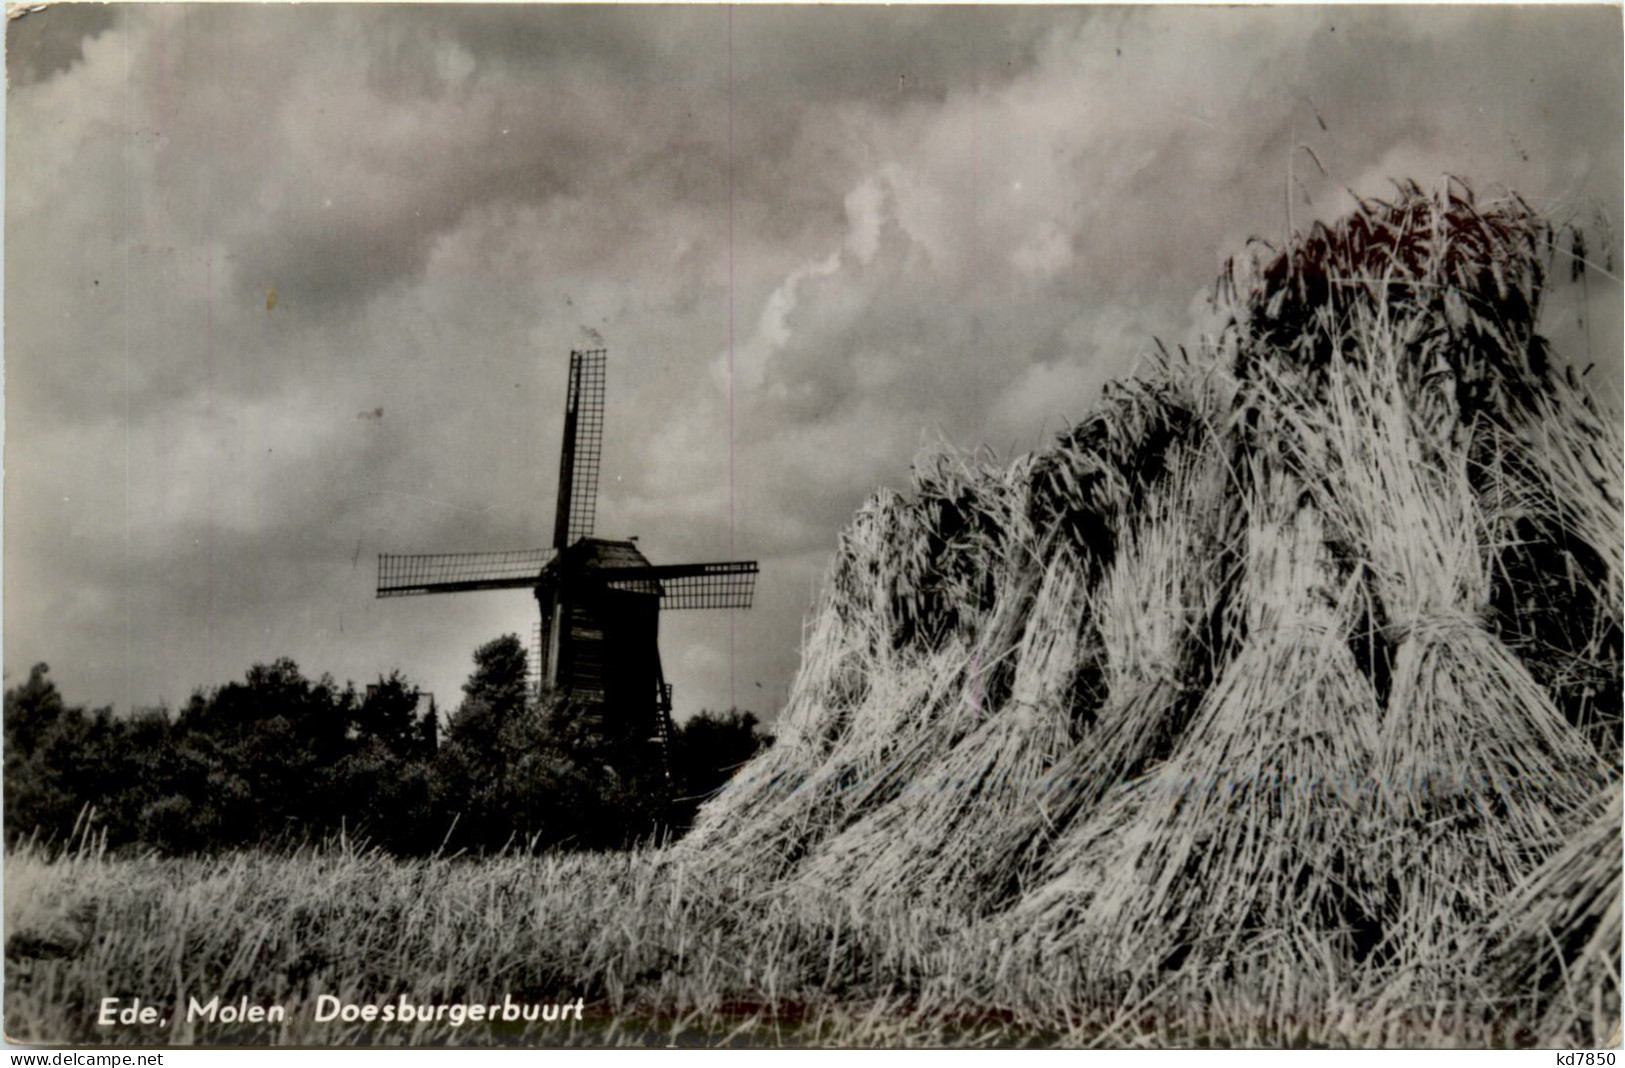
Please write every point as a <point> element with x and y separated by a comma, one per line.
<point>291,285</point>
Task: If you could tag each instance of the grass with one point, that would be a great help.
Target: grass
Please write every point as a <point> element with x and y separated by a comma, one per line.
<point>659,958</point>
<point>1277,703</point>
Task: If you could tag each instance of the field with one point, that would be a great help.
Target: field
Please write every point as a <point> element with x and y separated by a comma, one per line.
<point>1276,703</point>
<point>661,959</point>
<point>658,961</point>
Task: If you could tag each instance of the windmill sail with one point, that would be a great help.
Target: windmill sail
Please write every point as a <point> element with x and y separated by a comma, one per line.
<point>720,585</point>
<point>403,575</point>
<point>582,449</point>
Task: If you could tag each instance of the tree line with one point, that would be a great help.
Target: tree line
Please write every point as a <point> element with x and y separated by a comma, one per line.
<point>280,759</point>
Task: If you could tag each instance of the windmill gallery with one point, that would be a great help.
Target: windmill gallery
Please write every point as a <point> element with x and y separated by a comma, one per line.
<point>600,599</point>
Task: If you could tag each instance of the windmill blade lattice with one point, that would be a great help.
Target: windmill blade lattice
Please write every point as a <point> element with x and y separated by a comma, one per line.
<point>582,450</point>
<point>405,575</point>
<point>721,585</point>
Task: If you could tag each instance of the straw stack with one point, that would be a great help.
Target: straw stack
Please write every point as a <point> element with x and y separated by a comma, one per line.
<point>1250,831</point>
<point>1556,938</point>
<point>932,837</point>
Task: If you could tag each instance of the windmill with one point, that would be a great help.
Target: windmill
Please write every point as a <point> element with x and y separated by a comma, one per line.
<point>600,600</point>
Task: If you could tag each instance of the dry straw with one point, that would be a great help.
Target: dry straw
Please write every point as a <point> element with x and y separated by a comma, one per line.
<point>911,645</point>
<point>1478,771</point>
<point>1556,938</point>
<point>933,837</point>
<point>1151,621</point>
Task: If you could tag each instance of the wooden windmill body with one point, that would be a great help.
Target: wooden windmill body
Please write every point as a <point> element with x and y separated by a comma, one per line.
<point>600,600</point>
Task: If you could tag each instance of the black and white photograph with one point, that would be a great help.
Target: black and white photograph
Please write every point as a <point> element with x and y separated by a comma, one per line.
<point>785,526</point>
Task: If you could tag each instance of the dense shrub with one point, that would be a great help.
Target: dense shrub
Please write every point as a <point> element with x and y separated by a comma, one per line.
<point>279,759</point>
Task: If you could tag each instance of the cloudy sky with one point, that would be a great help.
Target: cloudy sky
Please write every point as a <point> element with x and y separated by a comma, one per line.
<point>813,240</point>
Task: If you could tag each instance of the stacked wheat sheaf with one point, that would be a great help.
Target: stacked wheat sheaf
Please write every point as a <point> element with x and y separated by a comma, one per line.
<point>1293,669</point>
